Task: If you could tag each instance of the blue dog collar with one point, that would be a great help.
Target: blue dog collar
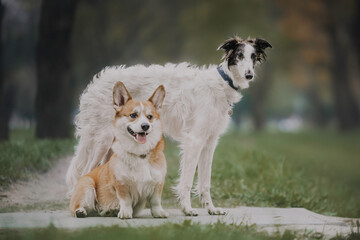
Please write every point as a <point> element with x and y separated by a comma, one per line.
<point>226,78</point>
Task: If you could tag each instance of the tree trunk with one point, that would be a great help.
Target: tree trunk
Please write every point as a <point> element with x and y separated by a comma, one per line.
<point>346,110</point>
<point>354,53</point>
<point>355,30</point>
<point>54,91</point>
<point>4,125</point>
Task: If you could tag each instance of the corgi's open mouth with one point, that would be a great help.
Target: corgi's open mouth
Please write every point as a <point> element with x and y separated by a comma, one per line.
<point>140,137</point>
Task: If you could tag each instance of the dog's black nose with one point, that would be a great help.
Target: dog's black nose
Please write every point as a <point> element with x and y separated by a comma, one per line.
<point>145,126</point>
<point>249,76</point>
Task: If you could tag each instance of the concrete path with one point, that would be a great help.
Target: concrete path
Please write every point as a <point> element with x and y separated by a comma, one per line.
<point>43,189</point>
<point>269,219</point>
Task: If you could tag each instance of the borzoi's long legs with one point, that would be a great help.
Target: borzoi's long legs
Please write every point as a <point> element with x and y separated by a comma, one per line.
<point>204,176</point>
<point>189,162</point>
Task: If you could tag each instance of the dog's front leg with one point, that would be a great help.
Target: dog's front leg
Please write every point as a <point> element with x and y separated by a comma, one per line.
<point>155,202</point>
<point>204,176</point>
<point>191,147</point>
<point>125,202</point>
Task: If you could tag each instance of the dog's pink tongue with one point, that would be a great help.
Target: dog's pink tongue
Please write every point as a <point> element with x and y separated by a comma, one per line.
<point>141,138</point>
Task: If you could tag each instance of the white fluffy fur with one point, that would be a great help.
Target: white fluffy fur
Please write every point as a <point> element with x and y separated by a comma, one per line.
<point>194,113</point>
<point>132,168</point>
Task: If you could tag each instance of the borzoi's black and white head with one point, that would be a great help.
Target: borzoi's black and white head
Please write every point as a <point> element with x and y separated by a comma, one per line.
<point>240,58</point>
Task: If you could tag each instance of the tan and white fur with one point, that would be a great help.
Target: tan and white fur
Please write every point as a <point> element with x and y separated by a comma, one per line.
<point>135,172</point>
<point>194,113</point>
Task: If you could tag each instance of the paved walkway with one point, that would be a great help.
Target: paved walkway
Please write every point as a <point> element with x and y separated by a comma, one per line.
<point>270,219</point>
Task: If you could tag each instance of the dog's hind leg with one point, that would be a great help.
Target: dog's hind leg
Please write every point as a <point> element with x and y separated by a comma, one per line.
<point>204,176</point>
<point>83,200</point>
<point>191,147</point>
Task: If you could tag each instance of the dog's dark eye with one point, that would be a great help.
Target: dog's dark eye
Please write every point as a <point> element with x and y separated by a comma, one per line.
<point>149,117</point>
<point>253,56</point>
<point>133,115</point>
<point>241,55</point>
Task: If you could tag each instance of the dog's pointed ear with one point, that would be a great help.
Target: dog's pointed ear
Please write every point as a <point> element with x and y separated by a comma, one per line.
<point>229,44</point>
<point>120,95</point>
<point>260,45</point>
<point>157,98</point>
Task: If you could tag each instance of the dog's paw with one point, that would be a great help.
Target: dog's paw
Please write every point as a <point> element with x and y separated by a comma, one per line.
<point>190,212</point>
<point>80,213</point>
<point>159,213</point>
<point>216,211</point>
<point>125,213</point>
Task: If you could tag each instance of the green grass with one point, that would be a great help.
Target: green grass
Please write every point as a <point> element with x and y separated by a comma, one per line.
<point>23,155</point>
<point>319,171</point>
<point>184,231</point>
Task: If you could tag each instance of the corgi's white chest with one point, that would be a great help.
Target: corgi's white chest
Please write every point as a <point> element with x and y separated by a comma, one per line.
<point>139,176</point>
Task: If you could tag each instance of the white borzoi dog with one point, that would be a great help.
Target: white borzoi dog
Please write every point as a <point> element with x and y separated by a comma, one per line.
<point>195,112</point>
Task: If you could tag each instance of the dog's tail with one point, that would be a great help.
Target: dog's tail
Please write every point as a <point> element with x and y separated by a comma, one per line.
<point>78,164</point>
<point>89,153</point>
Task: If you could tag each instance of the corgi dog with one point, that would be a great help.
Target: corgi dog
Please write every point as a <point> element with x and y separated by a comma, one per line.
<point>136,170</point>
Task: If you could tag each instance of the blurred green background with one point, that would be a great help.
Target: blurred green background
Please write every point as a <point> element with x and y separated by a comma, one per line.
<point>295,139</point>
<point>311,78</point>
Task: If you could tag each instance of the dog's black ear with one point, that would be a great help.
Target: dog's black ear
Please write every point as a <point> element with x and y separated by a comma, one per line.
<point>230,44</point>
<point>157,98</point>
<point>260,46</point>
<point>120,95</point>
<point>261,43</point>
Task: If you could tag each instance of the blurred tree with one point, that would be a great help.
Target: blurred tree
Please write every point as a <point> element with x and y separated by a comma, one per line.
<point>355,53</point>
<point>259,90</point>
<point>19,36</point>
<point>322,39</point>
<point>346,108</point>
<point>128,33</point>
<point>54,93</point>
<point>355,29</point>
<point>4,125</point>
<point>303,22</point>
